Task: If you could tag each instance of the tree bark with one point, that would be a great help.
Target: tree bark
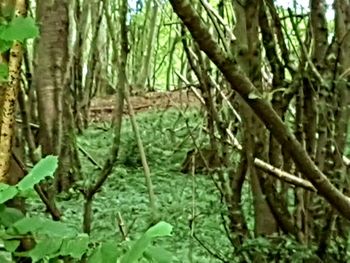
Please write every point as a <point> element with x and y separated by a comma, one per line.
<point>52,65</point>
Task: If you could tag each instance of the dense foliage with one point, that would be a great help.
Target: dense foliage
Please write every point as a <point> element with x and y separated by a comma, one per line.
<point>190,204</point>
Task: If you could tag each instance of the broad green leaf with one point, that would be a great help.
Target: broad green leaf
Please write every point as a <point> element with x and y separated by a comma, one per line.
<point>5,257</point>
<point>12,245</point>
<point>135,253</point>
<point>159,230</point>
<point>28,194</point>
<point>27,225</point>
<point>96,256</point>
<point>9,215</point>
<point>75,247</point>
<point>7,192</point>
<point>56,229</point>
<point>20,28</point>
<point>44,226</point>
<point>4,236</point>
<point>44,168</point>
<point>5,45</point>
<point>106,252</point>
<point>44,248</point>
<point>4,71</point>
<point>158,255</point>
<point>109,251</point>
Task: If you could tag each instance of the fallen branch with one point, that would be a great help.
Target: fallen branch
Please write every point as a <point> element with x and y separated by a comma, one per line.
<point>273,171</point>
<point>282,175</point>
<point>88,155</point>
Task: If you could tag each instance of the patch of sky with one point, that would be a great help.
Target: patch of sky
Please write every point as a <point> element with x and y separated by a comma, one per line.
<point>304,5</point>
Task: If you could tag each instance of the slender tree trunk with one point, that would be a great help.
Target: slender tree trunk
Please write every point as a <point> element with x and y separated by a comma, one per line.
<point>52,72</point>
<point>249,58</point>
<point>146,63</point>
<point>8,95</point>
<point>122,82</point>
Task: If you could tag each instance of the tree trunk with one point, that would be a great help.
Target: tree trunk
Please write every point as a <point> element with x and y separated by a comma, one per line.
<point>51,80</point>
<point>146,62</point>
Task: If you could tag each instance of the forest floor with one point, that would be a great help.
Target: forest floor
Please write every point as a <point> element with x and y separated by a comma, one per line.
<point>190,204</point>
<point>181,199</point>
<point>179,196</point>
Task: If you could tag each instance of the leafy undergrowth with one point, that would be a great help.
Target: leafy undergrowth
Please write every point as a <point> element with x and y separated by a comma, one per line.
<point>166,142</point>
<point>180,198</point>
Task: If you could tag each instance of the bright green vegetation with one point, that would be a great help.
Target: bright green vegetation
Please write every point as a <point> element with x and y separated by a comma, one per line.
<point>166,142</point>
<point>179,196</point>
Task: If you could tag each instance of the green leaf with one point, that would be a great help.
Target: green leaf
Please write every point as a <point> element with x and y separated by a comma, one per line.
<point>20,28</point>
<point>4,72</point>
<point>159,255</point>
<point>7,192</point>
<point>27,225</point>
<point>109,251</point>
<point>96,256</point>
<point>44,168</point>
<point>9,215</point>
<point>11,245</point>
<point>56,229</point>
<point>135,253</point>
<point>43,226</point>
<point>159,230</point>
<point>5,45</point>
<point>5,257</point>
<point>44,248</point>
<point>75,247</point>
<point>106,252</point>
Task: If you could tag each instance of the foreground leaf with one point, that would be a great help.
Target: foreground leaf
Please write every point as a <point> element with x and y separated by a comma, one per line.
<point>20,28</point>
<point>7,192</point>
<point>5,257</point>
<point>75,247</point>
<point>158,255</point>
<point>43,226</point>
<point>44,168</point>
<point>44,248</point>
<point>9,215</point>
<point>11,245</point>
<point>135,253</point>
<point>106,252</point>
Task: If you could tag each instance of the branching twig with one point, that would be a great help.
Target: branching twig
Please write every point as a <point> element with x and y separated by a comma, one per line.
<point>215,255</point>
<point>122,227</point>
<point>122,82</point>
<point>147,172</point>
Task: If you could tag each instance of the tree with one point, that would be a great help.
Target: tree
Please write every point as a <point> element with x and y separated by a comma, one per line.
<point>11,60</point>
<point>52,81</point>
<point>314,139</point>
